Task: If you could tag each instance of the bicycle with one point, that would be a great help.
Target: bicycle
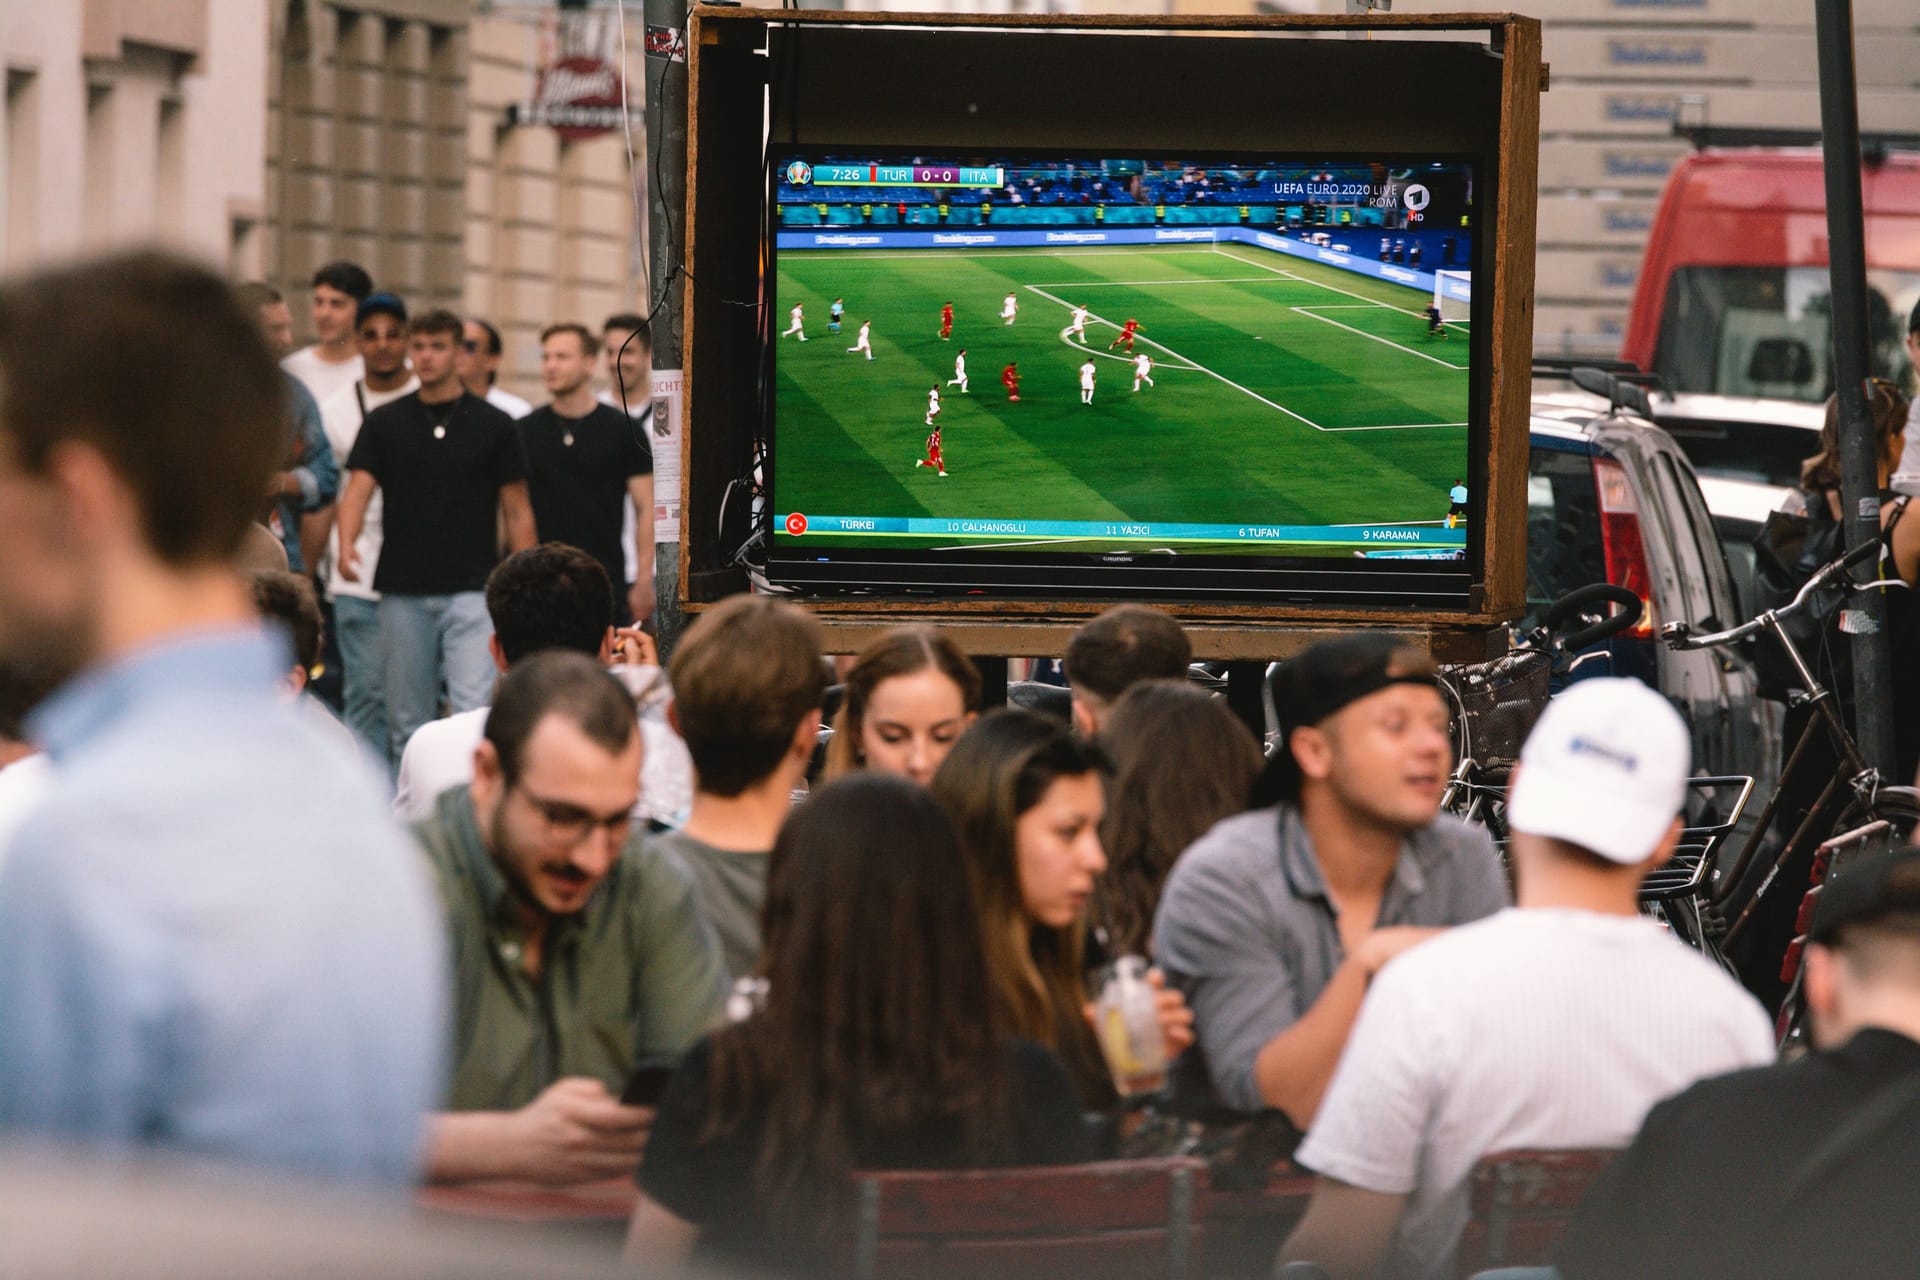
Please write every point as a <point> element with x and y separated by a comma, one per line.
<point>1854,814</point>
<point>1496,702</point>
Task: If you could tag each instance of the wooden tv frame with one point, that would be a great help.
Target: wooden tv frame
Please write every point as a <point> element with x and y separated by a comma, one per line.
<point>1244,83</point>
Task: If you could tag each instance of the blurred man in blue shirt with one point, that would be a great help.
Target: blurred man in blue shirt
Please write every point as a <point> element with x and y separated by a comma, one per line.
<point>213,942</point>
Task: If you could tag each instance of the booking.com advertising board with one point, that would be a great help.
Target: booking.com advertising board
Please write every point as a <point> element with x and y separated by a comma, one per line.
<point>1454,286</point>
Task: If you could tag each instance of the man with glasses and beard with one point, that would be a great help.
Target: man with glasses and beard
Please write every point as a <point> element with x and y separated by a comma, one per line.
<point>578,953</point>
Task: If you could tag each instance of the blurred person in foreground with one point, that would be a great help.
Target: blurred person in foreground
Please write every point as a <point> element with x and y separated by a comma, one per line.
<point>578,952</point>
<point>551,597</point>
<point>1181,763</point>
<point>1799,1169</point>
<point>1275,921</point>
<point>747,686</point>
<point>298,1035</point>
<point>847,1064</point>
<point>909,696</point>
<point>1117,650</point>
<point>1554,1024</point>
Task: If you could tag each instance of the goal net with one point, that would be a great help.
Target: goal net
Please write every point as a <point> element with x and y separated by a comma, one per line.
<point>1453,294</point>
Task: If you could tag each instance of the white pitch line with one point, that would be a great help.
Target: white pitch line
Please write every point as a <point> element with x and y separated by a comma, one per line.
<point>1388,342</point>
<point>1115,284</point>
<point>1247,262</point>
<point>1195,365</point>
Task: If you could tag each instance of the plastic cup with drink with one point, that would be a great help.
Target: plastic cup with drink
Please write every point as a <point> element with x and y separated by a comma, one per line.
<point>1127,1023</point>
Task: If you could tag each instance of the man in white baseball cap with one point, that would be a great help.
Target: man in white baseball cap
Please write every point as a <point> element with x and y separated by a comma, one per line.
<point>1555,1024</point>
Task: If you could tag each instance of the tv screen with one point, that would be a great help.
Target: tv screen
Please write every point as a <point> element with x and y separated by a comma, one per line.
<point>1184,377</point>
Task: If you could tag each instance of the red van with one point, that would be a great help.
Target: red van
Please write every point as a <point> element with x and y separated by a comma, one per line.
<point>1732,297</point>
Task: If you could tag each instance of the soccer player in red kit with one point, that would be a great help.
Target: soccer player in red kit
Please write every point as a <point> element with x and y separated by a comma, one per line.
<point>946,322</point>
<point>1010,379</point>
<point>1127,331</point>
<point>933,458</point>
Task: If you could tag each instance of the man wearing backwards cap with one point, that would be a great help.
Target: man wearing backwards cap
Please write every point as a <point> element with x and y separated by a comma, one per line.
<point>1554,1024</point>
<point>1806,1168</point>
<point>1273,923</point>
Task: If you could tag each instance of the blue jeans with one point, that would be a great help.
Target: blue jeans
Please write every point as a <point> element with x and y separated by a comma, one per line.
<point>363,690</point>
<point>425,639</point>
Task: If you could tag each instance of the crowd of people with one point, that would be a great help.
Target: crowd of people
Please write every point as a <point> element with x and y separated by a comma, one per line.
<point>406,458</point>
<point>640,925</point>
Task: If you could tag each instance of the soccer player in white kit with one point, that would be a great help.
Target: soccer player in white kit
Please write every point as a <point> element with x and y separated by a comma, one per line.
<point>1086,383</point>
<point>1078,328</point>
<point>1008,307</point>
<point>1142,367</point>
<point>794,322</point>
<point>863,343</point>
<point>959,372</point>
<point>933,404</point>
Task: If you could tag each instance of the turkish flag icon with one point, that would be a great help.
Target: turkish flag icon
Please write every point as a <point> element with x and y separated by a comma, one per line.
<point>796,524</point>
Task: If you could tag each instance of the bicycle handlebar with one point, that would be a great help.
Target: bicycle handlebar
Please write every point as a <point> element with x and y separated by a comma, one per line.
<point>1578,602</point>
<point>1679,635</point>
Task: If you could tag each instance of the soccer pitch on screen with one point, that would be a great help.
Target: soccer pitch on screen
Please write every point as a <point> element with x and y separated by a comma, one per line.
<point>1286,394</point>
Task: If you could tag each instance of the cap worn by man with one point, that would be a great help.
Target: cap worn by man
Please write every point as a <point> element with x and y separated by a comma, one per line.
<point>1273,923</point>
<point>1555,1024</point>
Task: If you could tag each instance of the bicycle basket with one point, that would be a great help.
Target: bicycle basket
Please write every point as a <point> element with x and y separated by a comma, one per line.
<point>1498,703</point>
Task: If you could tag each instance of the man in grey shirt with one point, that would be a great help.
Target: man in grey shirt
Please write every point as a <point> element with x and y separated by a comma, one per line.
<point>747,686</point>
<point>1273,923</point>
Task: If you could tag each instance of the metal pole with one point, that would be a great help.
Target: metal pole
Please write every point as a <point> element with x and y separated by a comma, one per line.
<point>1859,455</point>
<point>666,71</point>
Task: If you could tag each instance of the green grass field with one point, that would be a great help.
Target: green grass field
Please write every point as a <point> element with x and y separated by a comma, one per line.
<point>1288,393</point>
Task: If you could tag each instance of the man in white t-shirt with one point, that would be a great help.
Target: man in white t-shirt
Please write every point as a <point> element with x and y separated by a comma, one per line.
<point>1555,1024</point>
<point>381,335</point>
<point>478,364</point>
<point>333,361</point>
<point>551,596</point>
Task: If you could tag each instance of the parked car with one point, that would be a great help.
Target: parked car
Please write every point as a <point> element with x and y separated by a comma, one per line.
<point>1611,497</point>
<point>1747,454</point>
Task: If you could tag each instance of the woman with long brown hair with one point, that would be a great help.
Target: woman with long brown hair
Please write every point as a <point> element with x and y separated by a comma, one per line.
<point>910,695</point>
<point>1026,798</point>
<point>877,1045</point>
<point>1182,761</point>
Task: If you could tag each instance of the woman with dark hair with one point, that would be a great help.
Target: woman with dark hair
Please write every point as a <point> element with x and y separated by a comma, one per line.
<point>910,695</point>
<point>1182,762</point>
<point>877,1046</point>
<point>1026,798</point>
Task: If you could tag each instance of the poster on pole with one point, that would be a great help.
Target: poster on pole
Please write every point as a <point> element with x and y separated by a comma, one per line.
<point>668,396</point>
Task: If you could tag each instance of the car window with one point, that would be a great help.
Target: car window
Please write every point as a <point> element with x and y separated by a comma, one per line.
<point>1564,550</point>
<point>1712,589</point>
<point>1761,452</point>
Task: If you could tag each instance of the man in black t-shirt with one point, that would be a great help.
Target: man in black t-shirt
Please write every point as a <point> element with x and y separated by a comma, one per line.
<point>451,468</point>
<point>585,463</point>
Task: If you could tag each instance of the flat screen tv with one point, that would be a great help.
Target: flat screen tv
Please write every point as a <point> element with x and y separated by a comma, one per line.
<point>1258,378</point>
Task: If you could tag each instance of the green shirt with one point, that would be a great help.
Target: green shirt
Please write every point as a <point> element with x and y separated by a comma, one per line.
<point>636,974</point>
